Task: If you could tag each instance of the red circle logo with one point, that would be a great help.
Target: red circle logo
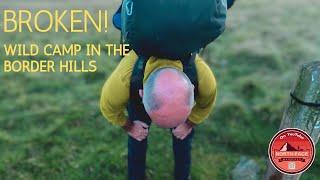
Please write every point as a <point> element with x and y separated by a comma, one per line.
<point>291,151</point>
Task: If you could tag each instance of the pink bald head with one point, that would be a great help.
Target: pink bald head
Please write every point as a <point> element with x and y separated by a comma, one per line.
<point>168,97</point>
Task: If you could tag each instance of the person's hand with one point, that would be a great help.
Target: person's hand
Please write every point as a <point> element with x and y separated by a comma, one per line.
<point>182,131</point>
<point>138,130</point>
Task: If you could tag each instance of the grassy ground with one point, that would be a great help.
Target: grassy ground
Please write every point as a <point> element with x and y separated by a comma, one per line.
<point>50,124</point>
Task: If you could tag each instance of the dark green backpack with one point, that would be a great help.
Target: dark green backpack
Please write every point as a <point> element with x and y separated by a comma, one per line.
<point>172,29</point>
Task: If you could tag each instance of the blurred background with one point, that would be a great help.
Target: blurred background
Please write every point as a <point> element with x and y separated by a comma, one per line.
<point>51,126</point>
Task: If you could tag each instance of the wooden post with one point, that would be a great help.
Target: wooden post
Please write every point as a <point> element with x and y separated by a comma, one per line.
<point>303,111</point>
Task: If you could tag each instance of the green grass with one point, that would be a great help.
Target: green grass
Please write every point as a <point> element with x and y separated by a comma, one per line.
<point>51,126</point>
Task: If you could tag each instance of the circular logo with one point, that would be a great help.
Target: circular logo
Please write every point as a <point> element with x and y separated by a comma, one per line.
<point>291,151</point>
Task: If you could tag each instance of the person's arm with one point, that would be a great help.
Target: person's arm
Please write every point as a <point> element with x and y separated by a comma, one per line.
<point>115,92</point>
<point>204,102</point>
<point>206,96</point>
<point>115,96</point>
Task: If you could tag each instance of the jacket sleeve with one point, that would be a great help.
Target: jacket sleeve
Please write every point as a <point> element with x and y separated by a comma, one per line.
<point>207,93</point>
<point>115,92</point>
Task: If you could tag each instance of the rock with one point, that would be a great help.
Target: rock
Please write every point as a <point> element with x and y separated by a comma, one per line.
<point>246,169</point>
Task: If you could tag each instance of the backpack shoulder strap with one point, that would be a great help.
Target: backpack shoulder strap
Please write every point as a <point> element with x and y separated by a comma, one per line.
<point>136,82</point>
<point>189,68</point>
<point>135,107</point>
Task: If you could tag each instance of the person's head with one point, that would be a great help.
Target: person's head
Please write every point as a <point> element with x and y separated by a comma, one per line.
<point>168,97</point>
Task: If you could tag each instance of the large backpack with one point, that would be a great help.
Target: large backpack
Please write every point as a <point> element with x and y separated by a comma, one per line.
<point>116,19</point>
<point>171,29</point>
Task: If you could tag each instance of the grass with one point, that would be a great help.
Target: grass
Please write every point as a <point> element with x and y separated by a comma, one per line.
<point>51,127</point>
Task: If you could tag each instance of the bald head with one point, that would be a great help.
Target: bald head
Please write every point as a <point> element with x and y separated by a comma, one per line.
<point>168,97</point>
